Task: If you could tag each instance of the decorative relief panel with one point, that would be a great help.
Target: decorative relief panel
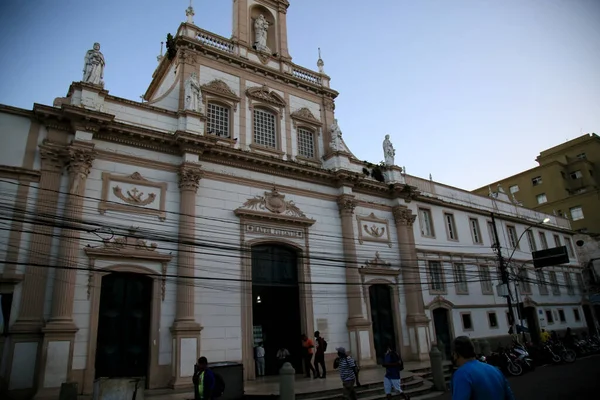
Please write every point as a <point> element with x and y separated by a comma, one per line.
<point>132,194</point>
<point>264,95</point>
<point>373,229</point>
<point>273,206</point>
<point>378,266</point>
<point>220,89</point>
<point>304,115</point>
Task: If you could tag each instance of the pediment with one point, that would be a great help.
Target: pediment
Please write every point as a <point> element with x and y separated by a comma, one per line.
<point>220,88</point>
<point>304,115</point>
<point>264,94</point>
<point>130,246</point>
<point>440,302</point>
<point>273,206</point>
<point>378,266</point>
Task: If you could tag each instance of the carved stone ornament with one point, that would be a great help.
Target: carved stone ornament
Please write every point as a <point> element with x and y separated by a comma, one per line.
<point>189,177</point>
<point>403,216</point>
<point>377,262</point>
<point>264,94</point>
<point>130,242</point>
<point>306,116</point>
<point>374,231</point>
<point>219,88</point>
<point>186,57</point>
<point>80,160</point>
<point>134,196</point>
<point>329,104</point>
<point>274,202</point>
<point>346,203</point>
<point>52,157</point>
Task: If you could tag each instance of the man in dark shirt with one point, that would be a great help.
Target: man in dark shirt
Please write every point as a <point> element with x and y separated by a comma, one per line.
<point>393,365</point>
<point>475,380</point>
<point>320,355</point>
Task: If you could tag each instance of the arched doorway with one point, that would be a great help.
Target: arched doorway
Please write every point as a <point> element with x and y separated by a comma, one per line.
<point>123,337</point>
<point>441,323</point>
<point>276,304</point>
<point>382,319</point>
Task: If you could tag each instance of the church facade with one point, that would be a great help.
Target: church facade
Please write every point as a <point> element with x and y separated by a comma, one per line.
<point>226,210</point>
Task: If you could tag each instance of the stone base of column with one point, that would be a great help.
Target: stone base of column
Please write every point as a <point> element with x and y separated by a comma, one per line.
<point>56,358</point>
<point>361,341</point>
<point>21,354</point>
<point>186,351</point>
<point>418,333</point>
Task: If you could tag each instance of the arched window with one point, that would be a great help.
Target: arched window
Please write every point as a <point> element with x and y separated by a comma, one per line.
<point>265,130</point>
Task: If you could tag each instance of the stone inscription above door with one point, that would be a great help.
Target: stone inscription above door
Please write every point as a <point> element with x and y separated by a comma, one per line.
<point>132,194</point>
<point>373,229</point>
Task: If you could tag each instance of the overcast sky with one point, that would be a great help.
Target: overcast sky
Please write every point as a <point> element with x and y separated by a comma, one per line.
<point>469,90</point>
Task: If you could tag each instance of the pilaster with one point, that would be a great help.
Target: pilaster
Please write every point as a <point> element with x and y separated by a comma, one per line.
<point>359,328</point>
<point>416,320</point>
<point>185,329</point>
<point>59,332</point>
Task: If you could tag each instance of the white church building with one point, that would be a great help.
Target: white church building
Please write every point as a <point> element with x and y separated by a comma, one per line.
<point>226,210</point>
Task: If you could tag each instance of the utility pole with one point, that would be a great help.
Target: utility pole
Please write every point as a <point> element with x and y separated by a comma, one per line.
<point>504,275</point>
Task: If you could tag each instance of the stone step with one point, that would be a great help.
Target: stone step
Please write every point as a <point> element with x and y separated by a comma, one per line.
<point>416,393</point>
<point>371,391</point>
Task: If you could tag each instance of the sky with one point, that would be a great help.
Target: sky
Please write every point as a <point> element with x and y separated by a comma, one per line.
<point>470,91</point>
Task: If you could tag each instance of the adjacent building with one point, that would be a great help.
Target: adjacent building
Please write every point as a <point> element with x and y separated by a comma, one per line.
<point>565,183</point>
<point>226,210</point>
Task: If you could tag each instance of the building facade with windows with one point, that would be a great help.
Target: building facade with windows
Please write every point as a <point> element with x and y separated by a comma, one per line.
<point>226,210</point>
<point>565,183</point>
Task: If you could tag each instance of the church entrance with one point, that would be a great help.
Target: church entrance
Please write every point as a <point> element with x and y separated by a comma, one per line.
<point>382,317</point>
<point>442,330</point>
<point>123,341</point>
<point>276,304</point>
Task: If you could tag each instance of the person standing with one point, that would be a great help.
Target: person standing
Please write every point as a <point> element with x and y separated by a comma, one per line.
<point>348,370</point>
<point>260,359</point>
<point>204,380</point>
<point>393,365</point>
<point>282,357</point>
<point>320,355</point>
<point>308,348</point>
<point>474,380</point>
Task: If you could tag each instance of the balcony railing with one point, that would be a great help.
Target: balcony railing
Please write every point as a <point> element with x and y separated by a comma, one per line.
<point>306,74</point>
<point>216,41</point>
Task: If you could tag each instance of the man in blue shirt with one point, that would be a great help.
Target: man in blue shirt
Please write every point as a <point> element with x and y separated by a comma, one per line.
<point>475,380</point>
<point>393,365</point>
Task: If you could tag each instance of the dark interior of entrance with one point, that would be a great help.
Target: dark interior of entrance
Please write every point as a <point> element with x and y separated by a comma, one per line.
<point>529,315</point>
<point>442,329</point>
<point>382,317</point>
<point>589,319</point>
<point>124,326</point>
<point>276,304</point>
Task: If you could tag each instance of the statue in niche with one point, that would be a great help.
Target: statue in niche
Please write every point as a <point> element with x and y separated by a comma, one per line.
<point>93,69</point>
<point>261,27</point>
<point>336,136</point>
<point>193,96</point>
<point>388,151</point>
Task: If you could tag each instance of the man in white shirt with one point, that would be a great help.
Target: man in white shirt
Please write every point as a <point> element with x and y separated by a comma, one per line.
<point>260,359</point>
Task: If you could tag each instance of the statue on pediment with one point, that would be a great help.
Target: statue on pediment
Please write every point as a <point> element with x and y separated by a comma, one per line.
<point>193,96</point>
<point>388,151</point>
<point>93,68</point>
<point>261,27</point>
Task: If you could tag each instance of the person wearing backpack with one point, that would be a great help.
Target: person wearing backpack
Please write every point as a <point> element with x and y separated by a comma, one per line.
<point>393,364</point>
<point>320,355</point>
<point>207,384</point>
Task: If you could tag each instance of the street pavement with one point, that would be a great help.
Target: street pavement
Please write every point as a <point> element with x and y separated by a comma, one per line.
<point>577,381</point>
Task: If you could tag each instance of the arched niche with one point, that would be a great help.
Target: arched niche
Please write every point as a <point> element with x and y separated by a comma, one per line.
<point>255,11</point>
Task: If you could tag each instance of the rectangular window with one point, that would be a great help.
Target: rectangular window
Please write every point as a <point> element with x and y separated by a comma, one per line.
<point>576,315</point>
<point>561,316</point>
<point>218,120</point>
<point>569,284</point>
<point>575,175</point>
<point>536,181</point>
<point>569,245</point>
<point>541,281</point>
<point>306,143</point>
<point>492,319</point>
<point>579,279</point>
<point>436,277</point>
<point>541,198</point>
<point>264,128</point>
<point>460,277</point>
<point>576,213</point>
<point>513,189</point>
<point>467,322</point>
<point>426,223</point>
<point>486,280</point>
<point>543,241</point>
<point>6,300</point>
<point>554,283</point>
<point>524,282</point>
<point>450,227</point>
<point>512,236</point>
<point>531,240</point>
<point>475,232</point>
<point>549,317</point>
<point>556,241</point>
<point>490,226</point>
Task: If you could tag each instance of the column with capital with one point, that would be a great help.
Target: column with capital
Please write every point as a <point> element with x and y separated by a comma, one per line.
<point>417,321</point>
<point>358,325</point>
<point>185,329</point>
<point>59,332</point>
